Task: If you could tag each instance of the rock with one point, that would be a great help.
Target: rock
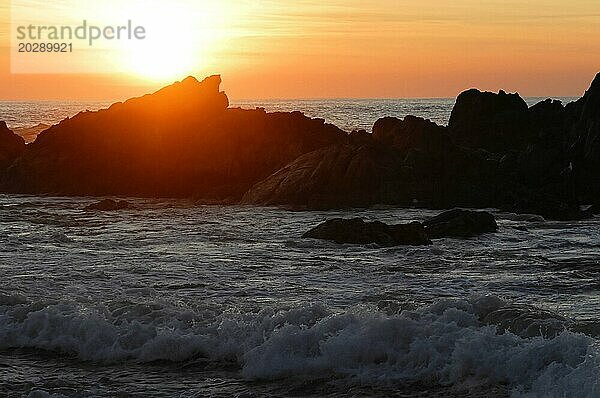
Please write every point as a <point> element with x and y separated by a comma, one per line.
<point>548,119</point>
<point>357,231</point>
<point>11,146</point>
<point>109,205</point>
<point>334,177</point>
<point>406,160</point>
<point>591,211</point>
<point>360,137</point>
<point>459,223</point>
<point>495,122</point>
<point>550,202</point>
<point>411,133</point>
<point>181,141</point>
<point>584,133</point>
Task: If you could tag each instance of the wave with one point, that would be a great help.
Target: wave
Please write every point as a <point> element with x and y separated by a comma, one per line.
<point>482,341</point>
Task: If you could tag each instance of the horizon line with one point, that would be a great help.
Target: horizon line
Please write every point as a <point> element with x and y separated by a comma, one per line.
<point>233,101</point>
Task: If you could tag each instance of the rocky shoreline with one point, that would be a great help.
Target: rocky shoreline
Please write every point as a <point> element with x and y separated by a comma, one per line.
<point>185,141</point>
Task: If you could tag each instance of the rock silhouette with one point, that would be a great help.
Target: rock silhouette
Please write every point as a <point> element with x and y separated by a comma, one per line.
<point>460,223</point>
<point>358,231</point>
<point>494,122</point>
<point>583,124</point>
<point>495,152</point>
<point>11,146</point>
<point>185,141</point>
<point>405,161</point>
<point>182,141</point>
<point>456,223</point>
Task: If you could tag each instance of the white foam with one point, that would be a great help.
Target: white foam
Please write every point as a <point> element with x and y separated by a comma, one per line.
<point>445,343</point>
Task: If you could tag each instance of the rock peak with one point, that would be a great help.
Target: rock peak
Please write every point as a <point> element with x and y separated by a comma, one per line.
<point>184,95</point>
<point>190,79</point>
<point>594,87</point>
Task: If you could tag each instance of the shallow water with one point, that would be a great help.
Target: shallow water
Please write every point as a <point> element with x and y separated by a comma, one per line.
<point>176,299</point>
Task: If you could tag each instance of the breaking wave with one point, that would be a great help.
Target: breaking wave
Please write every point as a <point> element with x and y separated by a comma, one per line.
<point>481,341</point>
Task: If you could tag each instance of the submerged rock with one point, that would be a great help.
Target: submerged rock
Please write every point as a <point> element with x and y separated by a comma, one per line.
<point>358,231</point>
<point>459,223</point>
<point>109,205</point>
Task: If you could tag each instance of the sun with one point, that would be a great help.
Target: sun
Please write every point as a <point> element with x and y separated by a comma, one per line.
<point>179,35</point>
<point>161,60</point>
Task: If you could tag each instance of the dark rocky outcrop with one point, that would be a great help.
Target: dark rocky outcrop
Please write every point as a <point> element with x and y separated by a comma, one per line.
<point>494,122</point>
<point>358,231</point>
<point>495,152</point>
<point>459,223</point>
<point>181,141</point>
<point>411,133</point>
<point>360,137</point>
<point>184,141</point>
<point>584,133</point>
<point>109,205</point>
<point>405,161</point>
<point>332,177</point>
<point>11,147</point>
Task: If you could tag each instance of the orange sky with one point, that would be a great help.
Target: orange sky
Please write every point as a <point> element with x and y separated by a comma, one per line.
<point>382,48</point>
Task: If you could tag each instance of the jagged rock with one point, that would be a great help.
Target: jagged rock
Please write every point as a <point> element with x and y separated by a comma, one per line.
<point>495,122</point>
<point>548,119</point>
<point>459,223</point>
<point>181,141</point>
<point>11,146</point>
<point>358,231</point>
<point>584,116</point>
<point>109,205</point>
<point>184,141</point>
<point>407,159</point>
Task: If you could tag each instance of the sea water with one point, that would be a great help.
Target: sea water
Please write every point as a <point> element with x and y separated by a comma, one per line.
<point>176,299</point>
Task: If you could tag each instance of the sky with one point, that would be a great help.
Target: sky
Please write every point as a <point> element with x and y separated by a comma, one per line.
<point>311,49</point>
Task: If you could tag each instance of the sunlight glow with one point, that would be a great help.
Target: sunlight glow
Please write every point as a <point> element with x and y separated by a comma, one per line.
<point>180,38</point>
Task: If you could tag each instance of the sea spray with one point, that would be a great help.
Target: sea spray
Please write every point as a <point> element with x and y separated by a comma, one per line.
<point>445,343</point>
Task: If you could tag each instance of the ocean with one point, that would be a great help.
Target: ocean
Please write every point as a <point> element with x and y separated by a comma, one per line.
<point>177,299</point>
